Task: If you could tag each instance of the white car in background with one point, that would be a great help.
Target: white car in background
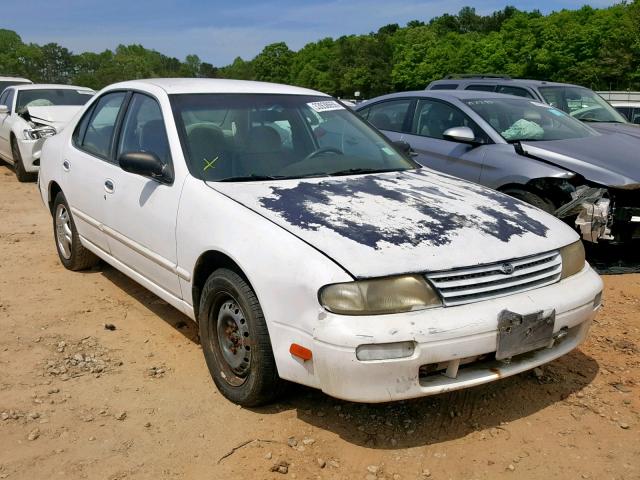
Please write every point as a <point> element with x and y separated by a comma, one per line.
<point>31,113</point>
<point>8,81</point>
<point>329,260</point>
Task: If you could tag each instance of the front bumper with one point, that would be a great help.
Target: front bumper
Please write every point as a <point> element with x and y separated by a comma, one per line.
<point>444,335</point>
<point>30,150</point>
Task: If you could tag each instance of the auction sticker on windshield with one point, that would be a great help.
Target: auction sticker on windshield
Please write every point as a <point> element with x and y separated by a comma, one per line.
<point>325,106</point>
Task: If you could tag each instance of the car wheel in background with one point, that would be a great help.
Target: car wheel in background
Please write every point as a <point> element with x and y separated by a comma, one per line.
<point>71,252</point>
<point>235,340</point>
<point>532,199</point>
<point>21,173</point>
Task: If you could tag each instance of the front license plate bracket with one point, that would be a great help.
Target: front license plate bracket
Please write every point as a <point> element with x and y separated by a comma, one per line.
<point>519,333</point>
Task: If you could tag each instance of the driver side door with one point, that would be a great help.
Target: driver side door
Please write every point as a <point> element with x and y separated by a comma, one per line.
<point>5,123</point>
<point>431,120</point>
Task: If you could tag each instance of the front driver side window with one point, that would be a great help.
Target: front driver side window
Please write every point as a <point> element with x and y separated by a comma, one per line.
<point>433,118</point>
<point>390,115</point>
<point>143,129</point>
<point>99,132</point>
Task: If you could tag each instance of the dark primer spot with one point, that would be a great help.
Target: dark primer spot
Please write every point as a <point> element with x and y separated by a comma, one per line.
<point>416,198</point>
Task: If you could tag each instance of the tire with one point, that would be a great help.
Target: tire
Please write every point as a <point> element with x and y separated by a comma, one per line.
<point>21,174</point>
<point>71,252</point>
<point>235,341</point>
<point>532,199</point>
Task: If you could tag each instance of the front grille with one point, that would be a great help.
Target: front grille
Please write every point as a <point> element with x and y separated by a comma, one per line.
<point>474,284</point>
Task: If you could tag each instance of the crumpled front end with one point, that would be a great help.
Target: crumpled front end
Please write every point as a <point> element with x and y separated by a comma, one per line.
<point>604,214</point>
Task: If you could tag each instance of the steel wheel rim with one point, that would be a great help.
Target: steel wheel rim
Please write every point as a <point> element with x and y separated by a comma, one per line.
<point>64,235</point>
<point>233,341</point>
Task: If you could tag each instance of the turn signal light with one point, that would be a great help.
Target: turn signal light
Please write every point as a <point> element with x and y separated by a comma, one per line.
<point>300,352</point>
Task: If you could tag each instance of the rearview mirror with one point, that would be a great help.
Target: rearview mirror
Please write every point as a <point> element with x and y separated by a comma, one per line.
<point>4,109</point>
<point>460,134</point>
<point>146,164</point>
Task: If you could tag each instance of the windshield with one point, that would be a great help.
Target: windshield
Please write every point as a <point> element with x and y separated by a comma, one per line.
<point>519,119</point>
<point>244,137</point>
<point>581,103</point>
<point>50,97</point>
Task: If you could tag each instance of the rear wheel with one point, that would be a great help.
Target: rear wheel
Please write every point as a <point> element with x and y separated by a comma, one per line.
<point>235,341</point>
<point>532,199</point>
<point>21,174</point>
<point>71,252</point>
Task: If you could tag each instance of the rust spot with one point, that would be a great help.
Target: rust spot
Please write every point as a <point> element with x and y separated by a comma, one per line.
<point>496,371</point>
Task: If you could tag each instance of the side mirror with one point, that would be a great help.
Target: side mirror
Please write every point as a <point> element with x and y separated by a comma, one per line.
<point>460,134</point>
<point>146,164</point>
<point>4,109</point>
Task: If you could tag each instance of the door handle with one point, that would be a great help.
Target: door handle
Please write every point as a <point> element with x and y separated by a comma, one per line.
<point>66,166</point>
<point>108,186</point>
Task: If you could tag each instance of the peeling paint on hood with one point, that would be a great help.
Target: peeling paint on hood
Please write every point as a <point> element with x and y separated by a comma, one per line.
<point>56,116</point>
<point>393,223</point>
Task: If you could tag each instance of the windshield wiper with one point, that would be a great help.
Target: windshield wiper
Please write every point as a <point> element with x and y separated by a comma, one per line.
<point>593,120</point>
<point>518,140</point>
<point>356,171</point>
<point>250,178</point>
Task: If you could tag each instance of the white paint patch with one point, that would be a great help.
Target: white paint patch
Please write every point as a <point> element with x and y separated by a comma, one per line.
<point>325,106</point>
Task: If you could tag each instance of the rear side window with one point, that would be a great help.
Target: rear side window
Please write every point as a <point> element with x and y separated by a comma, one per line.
<point>94,133</point>
<point>518,91</point>
<point>390,115</point>
<point>444,86</point>
<point>143,129</point>
<point>481,87</point>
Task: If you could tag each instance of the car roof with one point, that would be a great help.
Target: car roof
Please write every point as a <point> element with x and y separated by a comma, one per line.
<point>48,86</point>
<point>215,85</point>
<point>624,103</point>
<point>15,79</point>
<point>504,81</point>
<point>448,95</point>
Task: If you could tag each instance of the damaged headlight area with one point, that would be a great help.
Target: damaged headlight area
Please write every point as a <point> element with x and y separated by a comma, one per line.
<point>37,133</point>
<point>592,208</point>
<point>379,296</point>
<point>573,259</point>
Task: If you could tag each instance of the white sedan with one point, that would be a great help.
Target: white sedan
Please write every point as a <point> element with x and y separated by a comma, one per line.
<point>306,247</point>
<point>29,114</point>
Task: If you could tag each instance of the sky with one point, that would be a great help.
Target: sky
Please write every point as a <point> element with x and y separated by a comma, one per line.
<point>219,31</point>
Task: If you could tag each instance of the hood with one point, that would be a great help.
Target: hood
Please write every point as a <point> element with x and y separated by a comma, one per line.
<point>394,223</point>
<point>612,160</point>
<point>56,116</point>
<point>624,128</point>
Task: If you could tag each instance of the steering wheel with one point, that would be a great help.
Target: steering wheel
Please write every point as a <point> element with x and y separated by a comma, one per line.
<point>315,153</point>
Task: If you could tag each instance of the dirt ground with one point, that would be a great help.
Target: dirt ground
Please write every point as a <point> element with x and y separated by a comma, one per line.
<point>80,401</point>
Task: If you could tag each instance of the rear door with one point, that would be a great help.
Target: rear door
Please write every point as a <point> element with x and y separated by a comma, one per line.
<point>431,119</point>
<point>141,212</point>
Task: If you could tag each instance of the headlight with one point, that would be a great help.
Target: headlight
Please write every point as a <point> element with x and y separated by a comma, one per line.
<point>379,296</point>
<point>572,259</point>
<point>39,132</point>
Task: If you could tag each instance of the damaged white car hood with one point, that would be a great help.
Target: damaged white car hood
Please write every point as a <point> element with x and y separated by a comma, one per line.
<point>393,223</point>
<point>55,116</point>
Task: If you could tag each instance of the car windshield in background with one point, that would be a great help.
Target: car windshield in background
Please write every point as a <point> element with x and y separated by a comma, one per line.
<point>518,120</point>
<point>4,85</point>
<point>581,103</point>
<point>51,97</point>
<point>240,137</point>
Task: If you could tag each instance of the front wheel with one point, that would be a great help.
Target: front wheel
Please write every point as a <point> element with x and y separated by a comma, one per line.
<point>21,174</point>
<point>71,252</point>
<point>235,340</point>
